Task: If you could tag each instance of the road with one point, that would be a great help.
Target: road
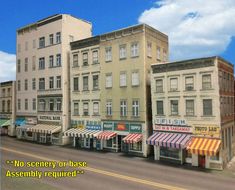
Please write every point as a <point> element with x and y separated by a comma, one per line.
<point>104,171</point>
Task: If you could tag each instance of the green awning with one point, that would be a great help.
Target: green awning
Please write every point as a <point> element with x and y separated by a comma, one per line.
<point>5,122</point>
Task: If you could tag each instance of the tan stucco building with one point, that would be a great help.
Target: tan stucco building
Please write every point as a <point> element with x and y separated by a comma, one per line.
<point>7,107</point>
<point>193,112</point>
<point>42,76</point>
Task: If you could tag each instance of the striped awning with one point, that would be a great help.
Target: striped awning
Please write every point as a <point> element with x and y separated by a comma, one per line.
<point>84,133</point>
<point>132,138</point>
<point>204,146</point>
<point>45,128</point>
<point>170,140</point>
<point>106,135</point>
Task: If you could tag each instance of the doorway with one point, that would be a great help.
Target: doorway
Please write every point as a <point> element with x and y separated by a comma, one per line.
<point>201,161</point>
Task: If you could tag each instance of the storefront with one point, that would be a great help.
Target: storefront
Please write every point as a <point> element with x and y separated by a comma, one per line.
<point>170,139</point>
<point>22,125</point>
<point>122,136</point>
<point>4,124</point>
<point>85,136</point>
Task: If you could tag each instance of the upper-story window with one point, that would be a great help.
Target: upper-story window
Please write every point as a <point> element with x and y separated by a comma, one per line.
<point>109,108</point>
<point>158,53</point>
<point>85,108</point>
<point>76,83</point>
<point>51,82</point>
<point>164,55</point>
<point>160,108</point>
<point>95,82</point>
<point>18,85</point>
<point>135,78</point>
<point>206,81</point>
<point>3,92</point>
<point>134,49</point>
<point>34,84</point>
<point>149,49</point>
<point>42,42</point>
<point>207,107</point>
<point>122,51</point>
<point>41,63</point>
<point>95,57</point>
<point>51,61</point>
<point>159,85</point>
<point>26,46</point>
<point>18,66</point>
<point>135,108</point>
<point>123,80</point>
<point>9,92</point>
<point>174,107</point>
<point>58,37</point>
<point>109,81</point>
<point>58,82</point>
<point>34,63</point>
<point>51,39</point>
<point>26,64</point>
<point>95,108</point>
<point>85,59</point>
<point>75,60</point>
<point>85,83</point>
<point>189,83</point>
<point>123,108</point>
<point>190,107</point>
<point>18,48</point>
<point>108,54</point>
<point>42,105</point>
<point>58,60</point>
<point>34,44</point>
<point>173,84</point>
<point>41,83</point>
<point>71,38</point>
<point>26,84</point>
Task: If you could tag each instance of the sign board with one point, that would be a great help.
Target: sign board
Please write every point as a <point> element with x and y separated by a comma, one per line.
<point>170,128</point>
<point>107,126</point>
<point>31,121</point>
<point>165,121</point>
<point>49,118</point>
<point>93,127</point>
<point>135,128</point>
<point>121,127</point>
<point>206,130</point>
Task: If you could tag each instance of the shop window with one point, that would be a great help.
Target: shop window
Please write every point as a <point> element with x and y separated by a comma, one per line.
<point>109,143</point>
<point>216,157</point>
<point>136,146</point>
<point>170,152</point>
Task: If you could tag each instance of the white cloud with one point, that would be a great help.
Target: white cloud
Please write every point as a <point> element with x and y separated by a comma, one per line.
<point>196,28</point>
<point>7,66</point>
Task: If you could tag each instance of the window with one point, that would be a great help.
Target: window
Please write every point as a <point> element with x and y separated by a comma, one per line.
<point>58,37</point>
<point>158,53</point>
<point>136,146</point>
<point>33,84</point>
<point>51,82</point>
<point>174,107</point>
<point>159,85</point>
<point>19,48</point>
<point>108,81</point>
<point>51,39</point>
<point>58,60</point>
<point>149,49</point>
<point>85,109</point>
<point>26,64</point>
<point>109,108</point>
<point>9,92</point>
<point>135,108</point>
<point>164,55</point>
<point>160,109</point>
<point>173,84</point>
<point>76,84</point>
<point>34,104</point>
<point>122,52</point>
<point>51,61</point>
<point>3,106</point>
<point>41,63</point>
<point>108,54</point>
<point>18,85</point>
<point>189,83</point>
<point>8,106</point>
<point>85,59</point>
<point>189,107</point>
<point>34,44</point>
<point>75,60</point>
<point>207,107</point>
<point>135,78</point>
<point>123,108</point>
<point>123,79</point>
<point>75,108</point>
<point>71,38</point>
<point>51,105</point>
<point>34,63</point>
<point>85,83</point>
<point>58,105</point>
<point>42,42</point>
<point>58,82</point>
<point>41,83</point>
<point>26,84</point>
<point>206,82</point>
<point>18,65</point>
<point>26,46</point>
<point>95,108</point>
<point>19,104</point>
<point>95,82</point>
<point>216,157</point>
<point>42,105</point>
<point>95,57</point>
<point>26,104</point>
<point>134,49</point>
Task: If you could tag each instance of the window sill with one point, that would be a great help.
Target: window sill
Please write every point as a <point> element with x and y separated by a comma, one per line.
<point>190,116</point>
<point>108,61</point>
<point>123,86</point>
<point>86,91</point>
<point>207,89</point>
<point>160,115</point>
<point>175,115</point>
<point>96,115</point>
<point>54,66</point>
<point>94,90</point>
<point>205,116</point>
<point>159,92</point>
<point>49,45</point>
<point>75,115</point>
<point>76,91</point>
<point>135,117</point>
<point>135,85</point>
<point>149,56</point>
<point>190,90</point>
<point>108,87</point>
<point>75,66</point>
<point>123,58</point>
<point>135,56</point>
<point>173,91</point>
<point>85,115</point>
<point>85,65</point>
<point>95,63</point>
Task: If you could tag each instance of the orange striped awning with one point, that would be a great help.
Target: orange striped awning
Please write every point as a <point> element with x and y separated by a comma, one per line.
<point>132,138</point>
<point>204,146</point>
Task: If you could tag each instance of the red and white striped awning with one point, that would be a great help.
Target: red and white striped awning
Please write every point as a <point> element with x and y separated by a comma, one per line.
<point>133,138</point>
<point>106,135</point>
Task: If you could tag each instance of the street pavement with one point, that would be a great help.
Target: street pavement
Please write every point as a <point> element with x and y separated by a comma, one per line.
<point>106,170</point>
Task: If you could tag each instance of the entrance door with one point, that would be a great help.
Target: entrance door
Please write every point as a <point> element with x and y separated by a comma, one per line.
<point>202,161</point>
<point>119,142</point>
<point>124,147</point>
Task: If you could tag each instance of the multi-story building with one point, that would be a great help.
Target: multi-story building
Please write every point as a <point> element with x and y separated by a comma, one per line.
<point>42,75</point>
<point>193,112</point>
<point>7,107</point>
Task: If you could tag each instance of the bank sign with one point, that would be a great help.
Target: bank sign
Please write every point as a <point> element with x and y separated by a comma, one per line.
<point>206,130</point>
<point>49,118</point>
<point>122,127</point>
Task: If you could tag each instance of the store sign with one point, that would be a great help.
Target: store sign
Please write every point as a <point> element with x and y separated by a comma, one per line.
<point>107,126</point>
<point>165,121</point>
<point>135,128</point>
<point>93,127</point>
<point>170,128</point>
<point>206,130</point>
<point>80,126</point>
<point>49,118</point>
<point>121,127</point>
<point>31,121</point>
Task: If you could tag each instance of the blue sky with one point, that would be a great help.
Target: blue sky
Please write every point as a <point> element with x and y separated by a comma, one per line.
<point>203,34</point>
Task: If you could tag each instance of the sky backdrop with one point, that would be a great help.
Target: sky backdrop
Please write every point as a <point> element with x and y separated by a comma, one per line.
<point>196,28</point>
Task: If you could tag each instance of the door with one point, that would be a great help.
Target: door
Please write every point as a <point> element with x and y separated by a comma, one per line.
<point>202,161</point>
<point>124,147</point>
